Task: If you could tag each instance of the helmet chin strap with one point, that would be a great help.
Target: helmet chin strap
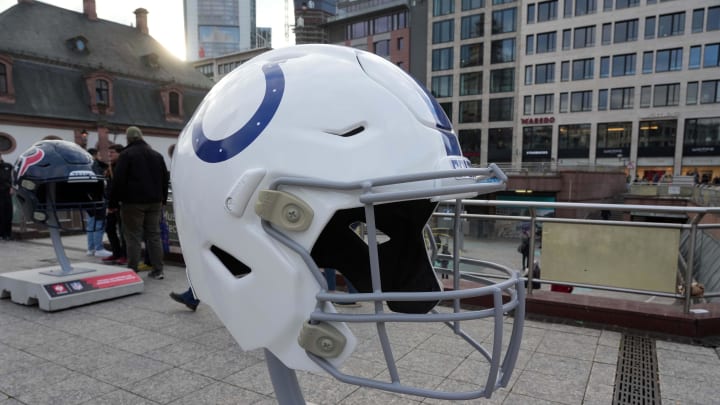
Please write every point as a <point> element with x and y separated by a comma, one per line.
<point>403,260</point>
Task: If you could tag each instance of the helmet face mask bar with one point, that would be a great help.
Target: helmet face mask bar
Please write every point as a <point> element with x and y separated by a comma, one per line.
<point>324,156</point>
<point>383,283</point>
<point>55,176</point>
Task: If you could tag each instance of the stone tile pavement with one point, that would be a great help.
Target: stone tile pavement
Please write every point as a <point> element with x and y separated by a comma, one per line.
<point>147,349</point>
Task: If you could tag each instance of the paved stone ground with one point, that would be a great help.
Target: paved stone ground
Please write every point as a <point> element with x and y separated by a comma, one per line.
<point>147,349</point>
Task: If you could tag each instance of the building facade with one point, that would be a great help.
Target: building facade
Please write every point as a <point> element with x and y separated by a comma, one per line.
<point>219,27</point>
<point>631,83</point>
<point>62,72</point>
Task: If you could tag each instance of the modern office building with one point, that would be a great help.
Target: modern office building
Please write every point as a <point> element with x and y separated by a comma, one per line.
<point>632,83</point>
<point>310,19</point>
<point>394,29</point>
<point>219,27</point>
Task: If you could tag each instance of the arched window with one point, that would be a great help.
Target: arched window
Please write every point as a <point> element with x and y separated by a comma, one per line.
<point>7,90</point>
<point>174,103</point>
<point>3,79</point>
<point>102,91</point>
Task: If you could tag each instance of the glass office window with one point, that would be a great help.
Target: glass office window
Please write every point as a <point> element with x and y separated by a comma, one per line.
<point>623,65</point>
<point>698,20</point>
<point>582,69</point>
<point>584,37</point>
<point>564,102</point>
<point>648,58</point>
<point>545,73</point>
<point>472,26</point>
<point>529,44</point>
<point>712,55</point>
<point>443,7</point>
<point>442,59</point>
<point>564,71</point>
<point>573,141</point>
<point>602,99</point>
<point>543,104</point>
<point>671,24</point>
<point>657,138</point>
<point>470,111</point>
<point>645,96</point>
<point>441,86</point>
<point>606,33</point>
<point>500,144</point>
<point>471,83</point>
<point>604,67</point>
<point>650,27</point>
<point>443,31</point>
<point>710,92</point>
<point>713,19</point>
<point>470,141</point>
<point>665,95</point>
<point>502,80</point>
<point>547,10</point>
<point>546,42</point>
<point>501,109</point>
<point>528,75</point>
<point>527,105</point>
<point>471,55</point>
<point>583,7</point>
<point>622,98</point>
<point>566,39</point>
<point>695,57</point>
<point>668,60</point>
<point>581,101</point>
<point>504,20</point>
<point>502,50</point>
<point>625,31</point>
<point>530,17</point>
<point>691,97</point>
<point>472,4</point>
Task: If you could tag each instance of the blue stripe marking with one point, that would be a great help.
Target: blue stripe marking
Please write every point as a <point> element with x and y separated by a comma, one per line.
<point>452,145</point>
<point>216,151</point>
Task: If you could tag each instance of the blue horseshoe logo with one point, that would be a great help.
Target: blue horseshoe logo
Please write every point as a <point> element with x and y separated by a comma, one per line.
<point>216,151</point>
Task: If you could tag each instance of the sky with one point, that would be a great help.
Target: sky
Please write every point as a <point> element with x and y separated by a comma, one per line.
<point>165,18</point>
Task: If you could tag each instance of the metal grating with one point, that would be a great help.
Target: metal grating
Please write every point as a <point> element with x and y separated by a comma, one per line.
<point>636,378</point>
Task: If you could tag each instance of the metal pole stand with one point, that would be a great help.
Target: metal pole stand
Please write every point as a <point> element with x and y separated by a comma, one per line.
<point>284,381</point>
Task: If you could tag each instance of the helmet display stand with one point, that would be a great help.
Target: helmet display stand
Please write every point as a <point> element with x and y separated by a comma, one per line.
<point>64,285</point>
<point>54,228</point>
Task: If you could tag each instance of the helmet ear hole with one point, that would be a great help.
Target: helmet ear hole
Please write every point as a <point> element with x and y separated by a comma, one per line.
<point>232,264</point>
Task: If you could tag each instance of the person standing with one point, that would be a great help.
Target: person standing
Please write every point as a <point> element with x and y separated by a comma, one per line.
<point>113,227</point>
<point>139,191</point>
<point>6,207</point>
<point>95,224</point>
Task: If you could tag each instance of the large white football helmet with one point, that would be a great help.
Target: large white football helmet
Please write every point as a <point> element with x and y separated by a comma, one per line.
<point>285,164</point>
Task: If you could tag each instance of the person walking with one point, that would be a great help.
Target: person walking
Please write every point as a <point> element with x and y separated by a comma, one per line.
<point>187,298</point>
<point>139,191</point>
<point>95,223</point>
<point>113,227</point>
<point>6,207</point>
<point>524,248</point>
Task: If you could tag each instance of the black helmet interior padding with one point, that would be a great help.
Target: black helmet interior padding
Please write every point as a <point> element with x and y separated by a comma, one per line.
<point>404,262</point>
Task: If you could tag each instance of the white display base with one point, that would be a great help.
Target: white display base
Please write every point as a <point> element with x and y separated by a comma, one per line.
<point>53,290</point>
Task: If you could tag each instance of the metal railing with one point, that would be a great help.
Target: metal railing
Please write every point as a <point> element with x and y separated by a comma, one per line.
<point>686,263</point>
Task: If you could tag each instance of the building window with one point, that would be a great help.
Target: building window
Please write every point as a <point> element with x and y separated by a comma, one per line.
<point>608,5</point>
<point>666,95</point>
<point>472,4</point>
<point>529,75</point>
<point>604,67</point>
<point>382,48</point>
<point>358,30</point>
<point>472,26</point>
<point>692,93</point>
<point>543,104</point>
<point>583,69</point>
<point>442,59</point>
<point>713,19</point>
<point>613,139</point>
<point>530,13</point>
<point>647,62</point>
<point>441,86</point>
<point>471,83</point>
<point>471,55</point>
<point>698,20</point>
<point>622,98</point>
<point>712,55</point>
<point>443,7</point>
<point>623,65</point>
<point>583,7</point>
<point>668,60</point>
<point>172,99</point>
<point>568,9</point>
<point>400,43</point>
<point>537,143</point>
<point>470,140</point>
<point>573,141</point>
<point>602,99</point>
<point>382,24</point>
<point>710,92</point>
<point>564,71</point>
<point>174,103</point>
<point>100,88</point>
<point>657,138</point>
<point>500,144</point>
<point>443,31</point>
<point>695,57</point>
<point>102,91</point>
<point>502,51</point>
<point>545,73</point>
<point>566,39</point>
<point>7,89</point>
<point>527,105</point>
<point>502,80</point>
<point>584,37</point>
<point>547,10</point>
<point>471,111</point>
<point>546,42</point>
<point>607,34</point>
<point>501,109</point>
<point>620,4</point>
<point>529,44</point>
<point>650,27</point>
<point>671,24</point>
<point>645,96</point>
<point>581,101</point>
<point>563,102</point>
<point>625,31</point>
<point>702,136</point>
<point>503,20</point>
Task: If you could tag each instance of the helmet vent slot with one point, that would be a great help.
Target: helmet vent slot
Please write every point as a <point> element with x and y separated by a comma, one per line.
<point>233,265</point>
<point>352,132</point>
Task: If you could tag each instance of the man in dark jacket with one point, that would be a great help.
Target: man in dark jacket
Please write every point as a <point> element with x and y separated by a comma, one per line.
<point>139,191</point>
